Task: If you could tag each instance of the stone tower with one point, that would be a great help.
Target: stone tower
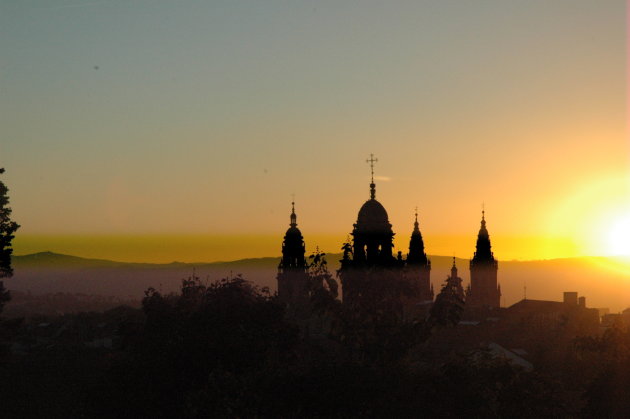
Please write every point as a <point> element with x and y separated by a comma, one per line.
<point>483,291</point>
<point>456,281</point>
<point>292,271</point>
<point>418,265</point>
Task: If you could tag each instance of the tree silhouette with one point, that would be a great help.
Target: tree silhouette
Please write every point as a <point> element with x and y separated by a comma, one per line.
<point>607,392</point>
<point>7,229</point>
<point>323,288</point>
<point>207,349</point>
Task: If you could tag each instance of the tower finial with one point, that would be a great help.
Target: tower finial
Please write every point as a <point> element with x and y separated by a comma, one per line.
<point>372,160</point>
<point>293,216</point>
<point>416,226</point>
<point>454,268</point>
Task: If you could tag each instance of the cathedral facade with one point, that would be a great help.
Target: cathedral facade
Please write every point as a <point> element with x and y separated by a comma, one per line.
<point>370,270</point>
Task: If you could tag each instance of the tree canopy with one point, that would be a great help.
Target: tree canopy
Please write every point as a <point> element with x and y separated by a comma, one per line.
<point>7,231</point>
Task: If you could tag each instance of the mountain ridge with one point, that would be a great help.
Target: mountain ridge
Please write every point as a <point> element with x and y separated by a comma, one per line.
<point>54,257</point>
<point>49,272</point>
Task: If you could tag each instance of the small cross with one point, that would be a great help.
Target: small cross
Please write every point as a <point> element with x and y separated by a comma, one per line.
<point>372,160</point>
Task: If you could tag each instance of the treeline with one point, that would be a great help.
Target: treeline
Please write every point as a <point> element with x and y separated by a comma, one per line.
<point>228,349</point>
<point>25,304</point>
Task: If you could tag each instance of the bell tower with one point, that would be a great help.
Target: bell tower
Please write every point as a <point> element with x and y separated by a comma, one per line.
<point>418,264</point>
<point>292,276</point>
<point>484,290</point>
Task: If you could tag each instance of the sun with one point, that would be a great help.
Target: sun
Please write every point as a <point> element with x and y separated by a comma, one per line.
<point>618,237</point>
<point>595,217</point>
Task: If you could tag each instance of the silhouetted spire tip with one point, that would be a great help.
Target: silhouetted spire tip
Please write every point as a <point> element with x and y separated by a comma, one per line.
<point>293,216</point>
<point>416,225</point>
<point>483,219</point>
<point>372,160</point>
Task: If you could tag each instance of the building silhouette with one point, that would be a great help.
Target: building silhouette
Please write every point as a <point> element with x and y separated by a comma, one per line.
<point>370,270</point>
<point>483,290</point>
<point>418,264</point>
<point>456,281</point>
<point>292,270</point>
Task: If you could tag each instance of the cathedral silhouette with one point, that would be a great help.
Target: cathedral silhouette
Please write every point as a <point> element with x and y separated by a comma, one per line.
<point>369,266</point>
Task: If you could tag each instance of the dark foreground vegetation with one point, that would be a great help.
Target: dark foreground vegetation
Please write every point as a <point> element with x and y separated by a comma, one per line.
<point>226,349</point>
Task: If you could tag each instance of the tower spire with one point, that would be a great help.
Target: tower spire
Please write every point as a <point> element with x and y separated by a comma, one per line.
<point>372,160</point>
<point>454,269</point>
<point>416,226</point>
<point>293,216</point>
<point>483,248</point>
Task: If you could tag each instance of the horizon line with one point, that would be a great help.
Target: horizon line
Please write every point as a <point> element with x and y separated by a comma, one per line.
<point>326,253</point>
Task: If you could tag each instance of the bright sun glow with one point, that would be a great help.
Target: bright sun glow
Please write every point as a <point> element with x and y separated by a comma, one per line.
<point>618,239</point>
<point>595,216</point>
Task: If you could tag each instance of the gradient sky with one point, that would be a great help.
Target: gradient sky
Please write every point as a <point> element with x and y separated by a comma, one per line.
<point>153,118</point>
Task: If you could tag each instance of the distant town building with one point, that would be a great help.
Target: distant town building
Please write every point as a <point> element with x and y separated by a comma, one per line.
<point>571,298</point>
<point>456,280</point>
<point>545,313</point>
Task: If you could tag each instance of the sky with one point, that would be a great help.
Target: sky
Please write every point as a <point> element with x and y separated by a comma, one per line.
<point>152,130</point>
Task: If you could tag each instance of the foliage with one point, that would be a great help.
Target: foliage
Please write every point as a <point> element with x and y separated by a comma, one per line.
<point>5,296</point>
<point>323,288</point>
<point>7,230</point>
<point>198,345</point>
<point>348,255</point>
<point>223,349</point>
<point>608,393</point>
<point>372,329</point>
<point>482,385</point>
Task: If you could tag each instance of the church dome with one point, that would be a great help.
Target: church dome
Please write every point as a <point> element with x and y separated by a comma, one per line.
<point>373,217</point>
<point>293,231</point>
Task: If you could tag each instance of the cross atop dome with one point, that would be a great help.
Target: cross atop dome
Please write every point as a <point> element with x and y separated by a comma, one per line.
<point>372,160</point>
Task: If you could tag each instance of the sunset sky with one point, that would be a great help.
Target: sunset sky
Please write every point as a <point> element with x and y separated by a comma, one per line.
<point>151,130</point>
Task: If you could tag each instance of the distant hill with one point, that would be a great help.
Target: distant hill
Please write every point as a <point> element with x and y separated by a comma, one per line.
<point>49,272</point>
